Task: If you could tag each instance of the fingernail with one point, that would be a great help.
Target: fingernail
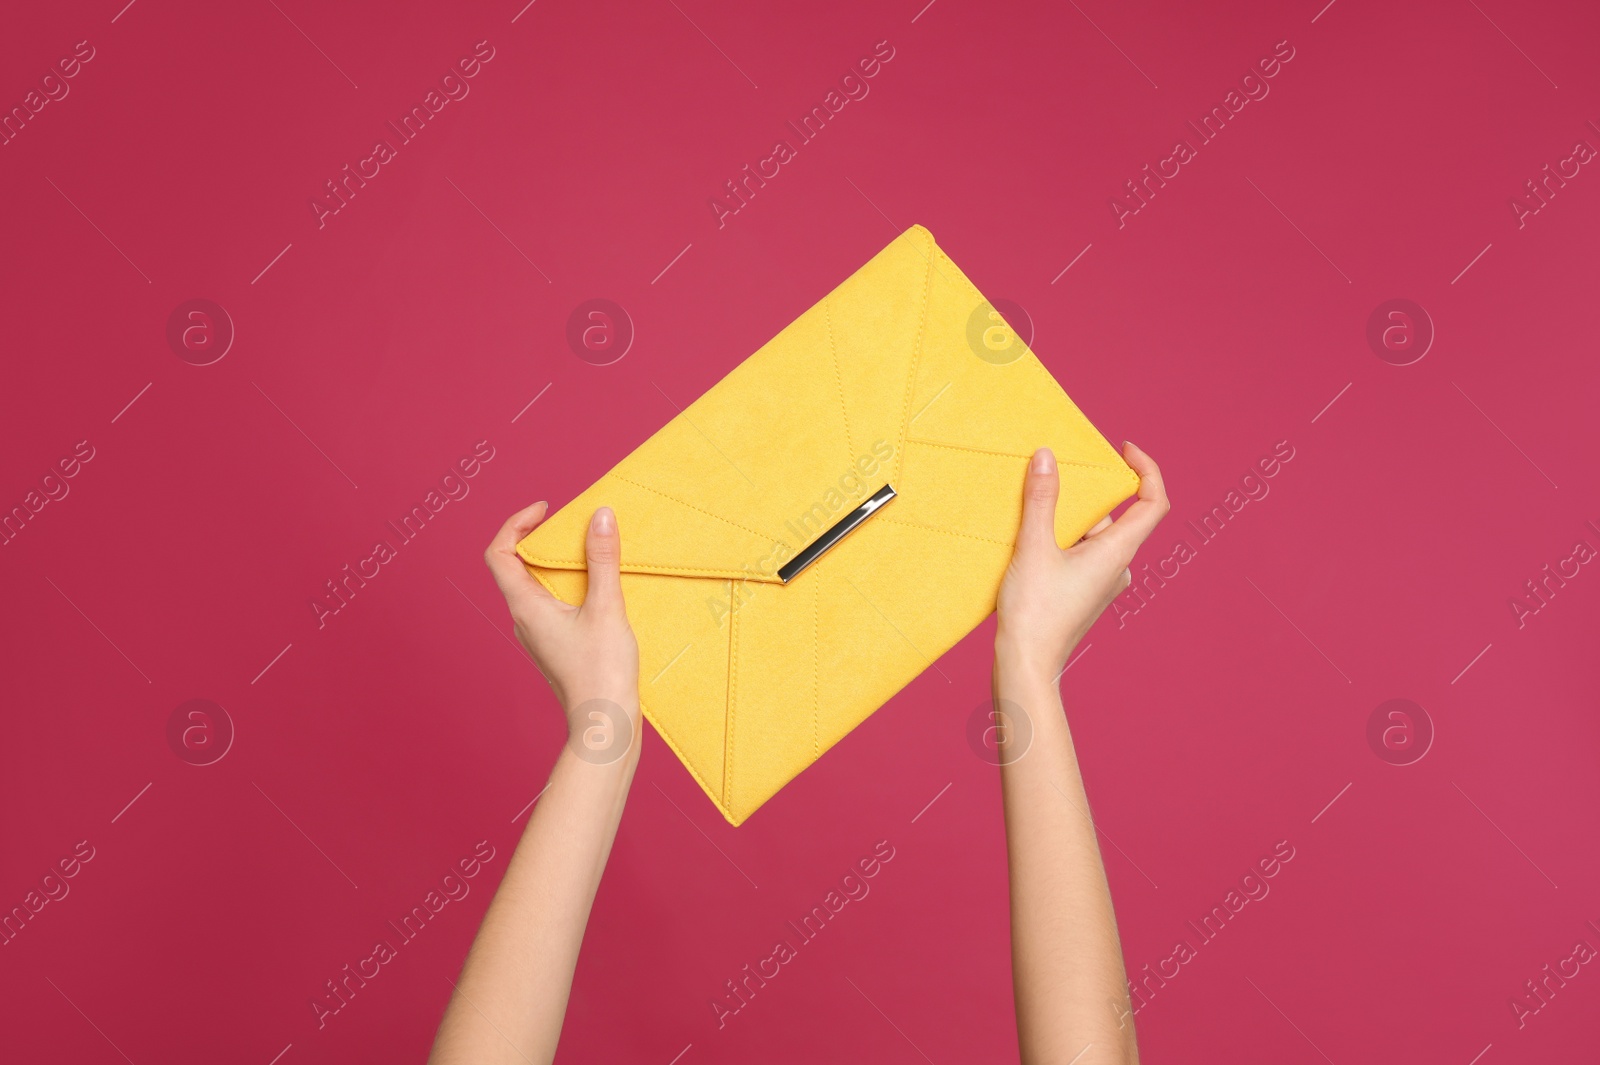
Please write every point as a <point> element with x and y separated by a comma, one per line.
<point>604,521</point>
<point>1126,444</point>
<point>1044,461</point>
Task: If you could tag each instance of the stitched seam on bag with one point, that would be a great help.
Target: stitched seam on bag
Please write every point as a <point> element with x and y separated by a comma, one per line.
<point>730,713</point>
<point>838,376</point>
<point>1040,367</point>
<point>691,506</point>
<point>947,532</point>
<point>659,727</point>
<point>651,567</point>
<point>548,586</point>
<point>932,244</point>
<point>916,363</point>
<point>665,735</point>
<point>1010,455</point>
<point>1037,364</point>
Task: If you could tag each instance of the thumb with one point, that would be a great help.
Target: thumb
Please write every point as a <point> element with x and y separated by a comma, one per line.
<point>1039,493</point>
<point>603,546</point>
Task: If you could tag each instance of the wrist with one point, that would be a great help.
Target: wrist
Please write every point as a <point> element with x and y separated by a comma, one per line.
<point>596,789</point>
<point>1018,664</point>
<point>1028,694</point>
<point>603,732</point>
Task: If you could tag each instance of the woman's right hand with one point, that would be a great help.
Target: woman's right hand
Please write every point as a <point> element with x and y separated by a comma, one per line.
<point>1051,596</point>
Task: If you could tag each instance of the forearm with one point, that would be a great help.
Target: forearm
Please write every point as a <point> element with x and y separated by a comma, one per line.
<point>512,994</point>
<point>1066,957</point>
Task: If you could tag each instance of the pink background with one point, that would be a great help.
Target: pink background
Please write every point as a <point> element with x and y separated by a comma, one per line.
<point>371,354</point>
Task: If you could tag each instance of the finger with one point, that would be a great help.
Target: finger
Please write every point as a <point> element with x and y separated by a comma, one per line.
<point>509,572</point>
<point>1040,490</point>
<point>1099,527</point>
<point>1139,520</point>
<point>603,547</point>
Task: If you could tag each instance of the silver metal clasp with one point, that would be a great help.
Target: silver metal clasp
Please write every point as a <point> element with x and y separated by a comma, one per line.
<point>840,530</point>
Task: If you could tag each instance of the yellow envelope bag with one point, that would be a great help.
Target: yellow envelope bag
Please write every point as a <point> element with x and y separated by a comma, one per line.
<point>901,406</point>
